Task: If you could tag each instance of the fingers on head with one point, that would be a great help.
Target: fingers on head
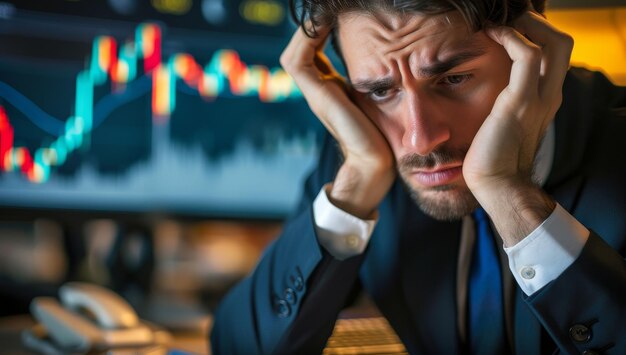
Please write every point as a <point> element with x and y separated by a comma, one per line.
<point>556,49</point>
<point>302,48</point>
<point>526,58</point>
<point>555,43</point>
<point>540,31</point>
<point>517,46</point>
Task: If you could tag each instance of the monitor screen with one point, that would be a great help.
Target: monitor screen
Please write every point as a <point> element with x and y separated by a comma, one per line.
<point>151,106</point>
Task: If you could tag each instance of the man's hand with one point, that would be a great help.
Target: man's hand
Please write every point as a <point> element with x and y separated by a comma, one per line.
<point>499,164</point>
<point>368,169</point>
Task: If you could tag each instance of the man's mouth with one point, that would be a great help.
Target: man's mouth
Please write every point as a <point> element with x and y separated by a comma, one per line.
<point>437,176</point>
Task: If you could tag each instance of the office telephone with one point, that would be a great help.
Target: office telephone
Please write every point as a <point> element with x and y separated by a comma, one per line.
<point>89,318</point>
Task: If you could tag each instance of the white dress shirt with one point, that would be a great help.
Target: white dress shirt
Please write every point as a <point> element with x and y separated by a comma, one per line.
<point>535,261</point>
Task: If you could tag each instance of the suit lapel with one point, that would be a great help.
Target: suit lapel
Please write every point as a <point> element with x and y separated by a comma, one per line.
<point>429,255</point>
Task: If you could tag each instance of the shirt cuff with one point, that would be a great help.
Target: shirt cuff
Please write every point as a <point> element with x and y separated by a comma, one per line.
<point>340,233</point>
<point>550,249</point>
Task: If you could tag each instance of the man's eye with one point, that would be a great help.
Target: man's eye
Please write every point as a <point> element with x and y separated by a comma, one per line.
<point>455,79</point>
<point>380,94</point>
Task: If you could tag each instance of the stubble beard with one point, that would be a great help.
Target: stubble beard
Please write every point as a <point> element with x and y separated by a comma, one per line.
<point>446,202</point>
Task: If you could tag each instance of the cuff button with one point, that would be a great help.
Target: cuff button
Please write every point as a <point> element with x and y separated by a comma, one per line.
<point>352,241</point>
<point>528,273</point>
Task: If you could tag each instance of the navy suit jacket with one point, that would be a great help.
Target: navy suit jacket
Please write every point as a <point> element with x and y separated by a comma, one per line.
<point>290,302</point>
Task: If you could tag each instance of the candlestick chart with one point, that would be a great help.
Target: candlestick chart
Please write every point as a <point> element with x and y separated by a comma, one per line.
<point>143,125</point>
<point>225,68</point>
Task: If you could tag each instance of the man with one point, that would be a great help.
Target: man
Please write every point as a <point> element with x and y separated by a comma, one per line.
<point>448,116</point>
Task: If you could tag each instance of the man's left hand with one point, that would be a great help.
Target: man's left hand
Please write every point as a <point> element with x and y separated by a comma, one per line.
<point>499,164</point>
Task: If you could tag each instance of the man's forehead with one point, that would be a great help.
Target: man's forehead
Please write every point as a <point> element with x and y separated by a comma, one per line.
<point>398,24</point>
<point>371,39</point>
<point>383,33</point>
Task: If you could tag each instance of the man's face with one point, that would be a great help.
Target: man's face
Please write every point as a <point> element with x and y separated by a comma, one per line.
<point>428,83</point>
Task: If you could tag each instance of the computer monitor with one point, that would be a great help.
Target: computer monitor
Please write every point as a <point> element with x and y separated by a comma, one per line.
<point>173,106</point>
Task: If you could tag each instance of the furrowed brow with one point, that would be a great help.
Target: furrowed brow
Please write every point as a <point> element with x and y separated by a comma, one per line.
<point>437,68</point>
<point>441,67</point>
<point>373,84</point>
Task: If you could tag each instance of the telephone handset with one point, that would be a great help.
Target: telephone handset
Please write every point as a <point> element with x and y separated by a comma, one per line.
<point>91,317</point>
<point>109,309</point>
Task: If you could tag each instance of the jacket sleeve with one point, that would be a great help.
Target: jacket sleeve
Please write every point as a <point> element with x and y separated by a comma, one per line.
<point>584,309</point>
<point>290,302</point>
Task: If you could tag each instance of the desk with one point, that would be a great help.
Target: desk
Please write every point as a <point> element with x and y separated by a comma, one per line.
<point>11,337</point>
<point>360,335</point>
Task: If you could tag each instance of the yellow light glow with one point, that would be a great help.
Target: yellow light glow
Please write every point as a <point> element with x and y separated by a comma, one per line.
<point>176,7</point>
<point>599,38</point>
<point>265,12</point>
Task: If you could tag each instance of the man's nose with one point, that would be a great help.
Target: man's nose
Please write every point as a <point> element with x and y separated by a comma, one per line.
<point>425,125</point>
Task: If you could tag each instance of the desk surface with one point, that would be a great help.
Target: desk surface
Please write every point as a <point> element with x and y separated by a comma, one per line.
<point>369,335</point>
<point>11,328</point>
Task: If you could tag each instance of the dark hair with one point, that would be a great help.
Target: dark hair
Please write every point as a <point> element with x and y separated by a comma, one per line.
<point>476,13</point>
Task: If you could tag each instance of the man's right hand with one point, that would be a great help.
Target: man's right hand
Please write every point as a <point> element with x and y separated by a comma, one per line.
<point>368,168</point>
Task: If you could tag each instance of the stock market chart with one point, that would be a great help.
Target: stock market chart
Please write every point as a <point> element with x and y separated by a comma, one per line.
<point>168,105</point>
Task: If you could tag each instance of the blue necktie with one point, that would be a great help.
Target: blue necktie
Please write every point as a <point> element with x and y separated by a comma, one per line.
<point>485,301</point>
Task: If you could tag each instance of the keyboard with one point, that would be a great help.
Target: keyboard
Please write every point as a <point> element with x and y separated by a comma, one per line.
<point>364,336</point>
